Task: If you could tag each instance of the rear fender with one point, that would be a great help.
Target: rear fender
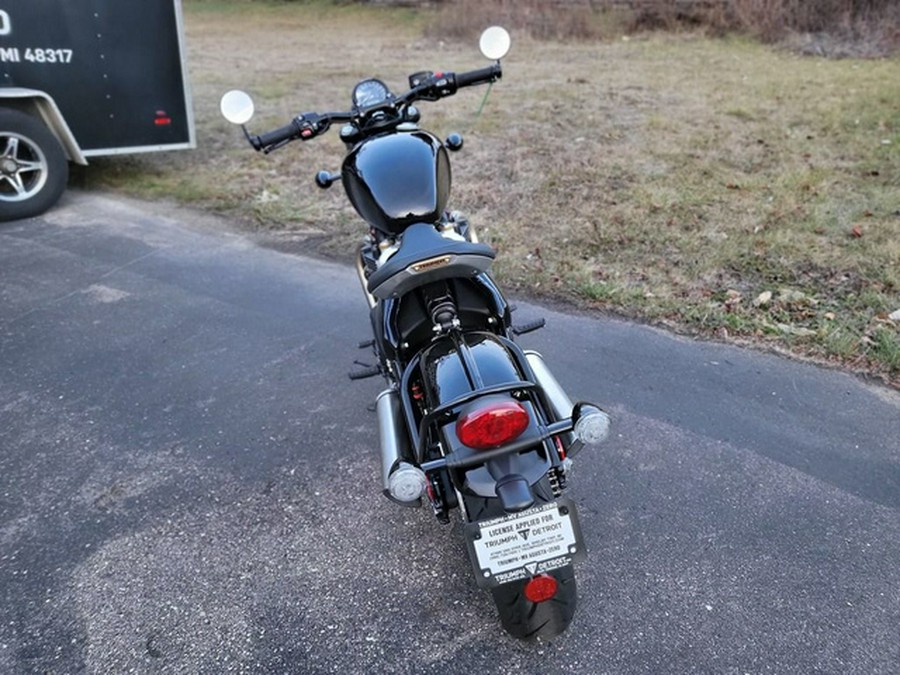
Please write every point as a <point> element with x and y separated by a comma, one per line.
<point>463,368</point>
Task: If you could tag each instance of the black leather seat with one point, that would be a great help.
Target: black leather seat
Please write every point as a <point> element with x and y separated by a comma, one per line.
<point>437,257</point>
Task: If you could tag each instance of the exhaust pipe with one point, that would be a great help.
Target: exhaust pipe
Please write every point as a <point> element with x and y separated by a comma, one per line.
<point>361,273</point>
<point>403,483</point>
<point>556,396</point>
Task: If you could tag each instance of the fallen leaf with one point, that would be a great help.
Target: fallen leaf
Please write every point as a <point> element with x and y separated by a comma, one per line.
<point>763,299</point>
<point>830,316</point>
<point>792,296</point>
<point>799,331</point>
<point>856,232</point>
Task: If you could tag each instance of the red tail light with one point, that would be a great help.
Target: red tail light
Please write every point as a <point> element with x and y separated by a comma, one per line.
<point>491,425</point>
<point>541,588</point>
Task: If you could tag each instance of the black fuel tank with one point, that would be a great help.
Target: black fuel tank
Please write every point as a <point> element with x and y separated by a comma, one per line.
<point>398,179</point>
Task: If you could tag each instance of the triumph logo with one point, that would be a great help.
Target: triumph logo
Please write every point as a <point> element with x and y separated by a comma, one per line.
<point>431,264</point>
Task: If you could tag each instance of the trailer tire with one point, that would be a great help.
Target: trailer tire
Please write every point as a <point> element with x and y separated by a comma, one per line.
<point>33,166</point>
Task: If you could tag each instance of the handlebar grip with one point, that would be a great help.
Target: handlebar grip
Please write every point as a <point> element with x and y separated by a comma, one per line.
<point>285,133</point>
<point>481,76</point>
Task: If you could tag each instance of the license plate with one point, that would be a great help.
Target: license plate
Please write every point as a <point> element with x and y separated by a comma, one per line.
<point>521,545</point>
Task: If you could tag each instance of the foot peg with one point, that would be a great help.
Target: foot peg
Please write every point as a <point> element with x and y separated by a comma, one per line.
<point>529,327</point>
<point>370,371</point>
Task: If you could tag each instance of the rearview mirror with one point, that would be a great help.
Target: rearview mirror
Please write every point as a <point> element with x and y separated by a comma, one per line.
<point>237,106</point>
<point>495,42</point>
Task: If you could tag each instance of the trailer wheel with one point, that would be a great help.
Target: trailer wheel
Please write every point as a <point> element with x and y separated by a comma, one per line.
<point>33,167</point>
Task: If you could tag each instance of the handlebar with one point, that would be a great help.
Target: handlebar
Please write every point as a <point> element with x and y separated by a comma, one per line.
<point>482,76</point>
<point>275,138</point>
<point>310,125</point>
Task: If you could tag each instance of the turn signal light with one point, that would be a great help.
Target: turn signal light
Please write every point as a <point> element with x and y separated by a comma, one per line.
<point>491,425</point>
<point>407,483</point>
<point>591,423</point>
<point>541,588</point>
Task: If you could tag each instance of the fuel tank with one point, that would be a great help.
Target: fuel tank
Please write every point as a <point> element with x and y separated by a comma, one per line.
<point>398,179</point>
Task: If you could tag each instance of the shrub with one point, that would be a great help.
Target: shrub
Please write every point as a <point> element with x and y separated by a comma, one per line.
<point>873,25</point>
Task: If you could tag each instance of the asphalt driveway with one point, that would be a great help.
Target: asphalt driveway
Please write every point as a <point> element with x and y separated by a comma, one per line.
<point>189,482</point>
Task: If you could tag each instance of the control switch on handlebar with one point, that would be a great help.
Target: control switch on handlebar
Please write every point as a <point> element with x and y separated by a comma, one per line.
<point>428,86</point>
<point>444,84</point>
<point>420,78</point>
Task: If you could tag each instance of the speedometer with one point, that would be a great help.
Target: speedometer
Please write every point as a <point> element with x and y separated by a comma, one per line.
<point>370,92</point>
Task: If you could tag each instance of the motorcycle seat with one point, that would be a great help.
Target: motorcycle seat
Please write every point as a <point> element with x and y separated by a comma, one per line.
<point>426,256</point>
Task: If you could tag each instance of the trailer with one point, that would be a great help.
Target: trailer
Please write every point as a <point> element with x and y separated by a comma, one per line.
<point>81,79</point>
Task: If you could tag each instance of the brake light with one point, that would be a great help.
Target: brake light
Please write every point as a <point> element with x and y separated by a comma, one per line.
<point>490,426</point>
<point>541,588</point>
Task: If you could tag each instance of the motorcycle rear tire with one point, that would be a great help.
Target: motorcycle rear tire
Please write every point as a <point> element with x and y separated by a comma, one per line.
<point>522,618</point>
<point>528,620</point>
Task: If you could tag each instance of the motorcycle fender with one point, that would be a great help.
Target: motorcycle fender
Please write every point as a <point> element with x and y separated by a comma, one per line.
<point>452,369</point>
<point>455,368</point>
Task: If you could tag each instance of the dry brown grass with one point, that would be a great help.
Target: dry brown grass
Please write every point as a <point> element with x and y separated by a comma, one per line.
<point>861,28</point>
<point>714,186</point>
<point>539,19</point>
<point>843,28</point>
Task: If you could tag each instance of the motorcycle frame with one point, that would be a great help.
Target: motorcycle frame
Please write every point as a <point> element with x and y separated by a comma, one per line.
<point>400,363</point>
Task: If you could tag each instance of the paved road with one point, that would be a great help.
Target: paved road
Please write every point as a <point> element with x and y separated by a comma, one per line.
<point>188,482</point>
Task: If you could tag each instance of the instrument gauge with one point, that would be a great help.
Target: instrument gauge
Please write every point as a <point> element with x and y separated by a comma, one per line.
<point>370,92</point>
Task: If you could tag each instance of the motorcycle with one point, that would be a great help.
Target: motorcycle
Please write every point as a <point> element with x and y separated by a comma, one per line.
<point>468,420</point>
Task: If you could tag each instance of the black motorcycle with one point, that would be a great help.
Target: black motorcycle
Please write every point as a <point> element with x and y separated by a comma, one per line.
<point>468,420</point>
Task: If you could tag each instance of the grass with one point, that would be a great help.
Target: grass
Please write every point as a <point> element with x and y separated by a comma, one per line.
<point>672,178</point>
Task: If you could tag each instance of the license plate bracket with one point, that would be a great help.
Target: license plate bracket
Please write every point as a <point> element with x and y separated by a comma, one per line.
<point>521,545</point>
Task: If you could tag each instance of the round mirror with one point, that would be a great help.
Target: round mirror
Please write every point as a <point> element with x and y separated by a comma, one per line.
<point>495,43</point>
<point>237,106</point>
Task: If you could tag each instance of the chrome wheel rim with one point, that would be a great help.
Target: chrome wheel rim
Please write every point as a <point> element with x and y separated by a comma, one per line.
<point>23,167</point>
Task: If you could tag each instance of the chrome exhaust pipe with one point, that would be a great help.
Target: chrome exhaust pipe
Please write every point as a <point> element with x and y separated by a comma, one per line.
<point>361,273</point>
<point>556,396</point>
<point>403,482</point>
<point>387,408</point>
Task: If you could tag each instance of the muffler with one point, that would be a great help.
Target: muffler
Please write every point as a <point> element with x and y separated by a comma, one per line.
<point>403,482</point>
<point>556,396</point>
